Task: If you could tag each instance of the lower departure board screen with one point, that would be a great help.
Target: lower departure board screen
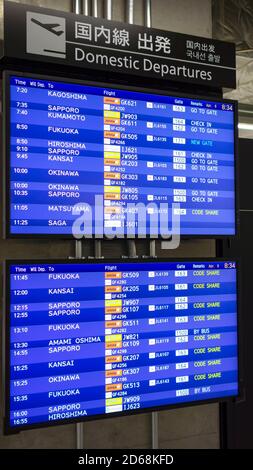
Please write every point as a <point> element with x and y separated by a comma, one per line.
<point>130,162</point>
<point>93,339</point>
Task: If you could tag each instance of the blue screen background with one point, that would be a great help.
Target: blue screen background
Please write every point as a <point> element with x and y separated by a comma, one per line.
<point>70,142</point>
<point>111,337</point>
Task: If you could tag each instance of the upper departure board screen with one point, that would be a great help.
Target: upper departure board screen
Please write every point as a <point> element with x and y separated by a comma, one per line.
<point>93,339</point>
<point>102,152</point>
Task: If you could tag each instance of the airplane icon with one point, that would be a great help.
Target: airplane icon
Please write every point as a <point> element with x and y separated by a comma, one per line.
<point>49,26</point>
<point>45,35</point>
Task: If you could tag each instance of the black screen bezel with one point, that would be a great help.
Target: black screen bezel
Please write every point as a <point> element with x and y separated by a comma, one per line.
<point>6,150</point>
<point>6,341</point>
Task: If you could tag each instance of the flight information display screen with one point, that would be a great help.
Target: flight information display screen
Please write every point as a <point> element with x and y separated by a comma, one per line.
<point>93,339</point>
<point>73,148</point>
